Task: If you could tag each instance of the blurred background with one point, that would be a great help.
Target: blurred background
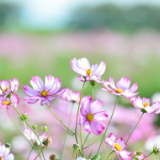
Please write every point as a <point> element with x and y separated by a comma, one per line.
<point>39,37</point>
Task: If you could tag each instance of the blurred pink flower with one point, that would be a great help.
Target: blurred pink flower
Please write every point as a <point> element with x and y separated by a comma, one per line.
<point>139,155</point>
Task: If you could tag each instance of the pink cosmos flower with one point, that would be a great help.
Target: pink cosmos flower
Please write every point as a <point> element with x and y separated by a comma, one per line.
<point>86,71</point>
<point>9,87</point>
<point>71,96</point>
<point>5,102</point>
<point>140,156</point>
<point>144,105</point>
<point>122,87</point>
<point>4,153</point>
<point>118,146</point>
<point>45,140</point>
<point>42,91</point>
<point>91,116</point>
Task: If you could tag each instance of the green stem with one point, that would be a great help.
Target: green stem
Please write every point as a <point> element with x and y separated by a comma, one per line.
<point>30,154</point>
<point>109,155</point>
<point>27,124</point>
<point>93,92</point>
<point>70,116</point>
<point>134,128</point>
<point>60,120</point>
<point>78,112</point>
<point>39,153</point>
<point>147,156</point>
<point>81,141</point>
<point>15,123</point>
<point>108,125</point>
<point>86,139</point>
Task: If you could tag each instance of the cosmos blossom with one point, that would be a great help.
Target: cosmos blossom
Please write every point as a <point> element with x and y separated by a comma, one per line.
<point>5,153</point>
<point>45,92</point>
<point>5,102</point>
<point>91,116</point>
<point>71,96</point>
<point>118,146</point>
<point>122,87</point>
<point>139,155</point>
<point>9,87</point>
<point>144,105</point>
<point>86,71</point>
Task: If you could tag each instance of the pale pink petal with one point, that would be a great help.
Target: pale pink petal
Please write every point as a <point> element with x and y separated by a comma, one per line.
<point>100,69</point>
<point>87,126</point>
<point>112,85</point>
<point>15,99</point>
<point>125,155</point>
<point>128,94</point>
<point>84,63</point>
<point>123,83</point>
<point>29,91</point>
<point>137,102</point>
<point>4,84</point>
<point>14,84</point>
<point>96,106</point>
<point>45,101</point>
<point>97,127</point>
<point>31,100</point>
<point>102,115</point>
<point>37,83</point>
<point>83,111</point>
<point>50,98</point>
<point>87,105</point>
<point>61,91</point>
<point>80,77</point>
<point>82,119</point>
<point>110,139</point>
<point>9,157</point>
<point>56,86</point>
<point>49,81</point>
<point>144,100</point>
<point>134,87</point>
<point>94,67</point>
<point>121,142</point>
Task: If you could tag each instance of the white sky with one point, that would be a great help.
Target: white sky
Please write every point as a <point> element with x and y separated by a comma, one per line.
<point>49,13</point>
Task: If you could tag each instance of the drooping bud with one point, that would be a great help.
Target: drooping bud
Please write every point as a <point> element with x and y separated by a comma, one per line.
<point>24,117</point>
<point>34,127</point>
<point>155,150</point>
<point>7,145</point>
<point>44,128</point>
<point>76,147</point>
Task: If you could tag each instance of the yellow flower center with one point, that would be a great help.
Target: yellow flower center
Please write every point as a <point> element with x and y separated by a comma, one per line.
<point>5,89</point>
<point>117,147</point>
<point>89,72</point>
<point>7,103</point>
<point>44,93</point>
<point>90,117</point>
<point>145,104</point>
<point>118,90</point>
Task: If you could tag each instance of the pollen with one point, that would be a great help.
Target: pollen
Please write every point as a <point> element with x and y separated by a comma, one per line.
<point>89,72</point>
<point>6,103</point>
<point>5,89</point>
<point>90,117</point>
<point>44,93</point>
<point>118,90</point>
<point>117,147</point>
<point>145,104</point>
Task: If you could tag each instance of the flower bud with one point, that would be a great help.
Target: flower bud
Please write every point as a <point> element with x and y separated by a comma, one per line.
<point>52,157</point>
<point>7,145</point>
<point>44,128</point>
<point>34,127</point>
<point>138,153</point>
<point>93,83</point>
<point>155,150</point>
<point>76,147</point>
<point>24,117</point>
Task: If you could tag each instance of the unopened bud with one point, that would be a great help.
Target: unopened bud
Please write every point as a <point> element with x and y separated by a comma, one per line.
<point>138,153</point>
<point>155,150</point>
<point>34,127</point>
<point>76,147</point>
<point>44,128</point>
<point>52,157</point>
<point>7,145</point>
<point>24,117</point>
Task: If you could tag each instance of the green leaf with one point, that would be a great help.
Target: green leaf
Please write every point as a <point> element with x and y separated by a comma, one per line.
<point>69,132</point>
<point>89,154</point>
<point>96,157</point>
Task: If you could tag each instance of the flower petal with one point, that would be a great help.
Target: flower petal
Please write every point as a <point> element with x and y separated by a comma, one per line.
<point>134,87</point>
<point>96,106</point>
<point>110,139</point>
<point>128,94</point>
<point>45,101</point>
<point>102,115</point>
<point>112,85</point>
<point>87,126</point>
<point>82,119</point>
<point>100,69</point>
<point>49,81</point>
<point>125,155</point>
<point>4,84</point>
<point>31,100</point>
<point>84,63</point>
<point>87,105</point>
<point>50,98</point>
<point>123,83</point>
<point>145,100</point>
<point>29,91</point>
<point>97,127</point>
<point>14,84</point>
<point>15,99</point>
<point>137,102</point>
<point>121,142</point>
<point>37,83</point>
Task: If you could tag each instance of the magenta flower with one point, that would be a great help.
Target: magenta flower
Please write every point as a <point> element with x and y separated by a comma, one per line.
<point>118,146</point>
<point>4,153</point>
<point>122,87</point>
<point>144,105</point>
<point>5,102</point>
<point>71,96</point>
<point>86,71</point>
<point>139,155</point>
<point>9,87</point>
<point>91,116</point>
<point>44,92</point>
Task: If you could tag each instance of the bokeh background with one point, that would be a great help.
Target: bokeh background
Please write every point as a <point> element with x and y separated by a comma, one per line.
<point>39,37</point>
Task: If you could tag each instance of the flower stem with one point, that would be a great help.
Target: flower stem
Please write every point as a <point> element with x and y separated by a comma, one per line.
<point>27,124</point>
<point>147,156</point>
<point>70,116</point>
<point>81,141</point>
<point>78,112</point>
<point>93,92</point>
<point>108,125</point>
<point>86,139</point>
<point>15,123</point>
<point>134,128</point>
<point>60,120</point>
<point>30,154</point>
<point>39,153</point>
<point>109,155</point>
